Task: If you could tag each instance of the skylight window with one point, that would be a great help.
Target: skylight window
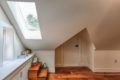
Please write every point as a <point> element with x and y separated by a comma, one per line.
<point>26,16</point>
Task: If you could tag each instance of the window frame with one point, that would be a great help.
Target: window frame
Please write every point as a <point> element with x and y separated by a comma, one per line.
<point>27,34</point>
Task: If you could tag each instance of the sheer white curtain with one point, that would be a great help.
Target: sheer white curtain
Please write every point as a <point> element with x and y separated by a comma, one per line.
<point>1,46</point>
<point>8,50</point>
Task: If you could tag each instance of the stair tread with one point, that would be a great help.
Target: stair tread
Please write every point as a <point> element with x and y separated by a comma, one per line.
<point>35,68</point>
<point>43,73</point>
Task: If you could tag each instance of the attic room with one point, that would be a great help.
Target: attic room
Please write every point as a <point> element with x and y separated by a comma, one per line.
<point>59,40</point>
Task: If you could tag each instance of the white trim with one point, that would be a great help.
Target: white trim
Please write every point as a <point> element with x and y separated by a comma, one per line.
<point>71,65</point>
<point>91,67</point>
<point>58,65</point>
<point>106,69</point>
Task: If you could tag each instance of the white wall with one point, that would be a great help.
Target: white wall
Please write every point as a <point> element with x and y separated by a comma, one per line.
<point>3,17</point>
<point>4,22</point>
<point>107,61</point>
<point>47,56</point>
<point>18,46</point>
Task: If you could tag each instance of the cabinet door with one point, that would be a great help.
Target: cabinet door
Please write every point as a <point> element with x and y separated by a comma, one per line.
<point>21,73</point>
<point>16,77</point>
<point>25,71</point>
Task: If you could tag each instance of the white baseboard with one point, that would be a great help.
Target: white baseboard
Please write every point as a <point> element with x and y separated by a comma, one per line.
<point>107,70</point>
<point>71,65</point>
<point>91,68</point>
<point>58,65</point>
<point>67,65</point>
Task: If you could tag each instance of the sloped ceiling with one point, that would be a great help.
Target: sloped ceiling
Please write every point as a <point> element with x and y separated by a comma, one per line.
<point>62,19</point>
<point>59,21</point>
<point>106,34</point>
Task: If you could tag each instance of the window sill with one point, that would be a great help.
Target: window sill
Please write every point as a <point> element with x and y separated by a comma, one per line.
<point>10,66</point>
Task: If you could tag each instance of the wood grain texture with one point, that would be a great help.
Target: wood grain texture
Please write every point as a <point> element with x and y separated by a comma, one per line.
<point>81,73</point>
<point>35,68</point>
<point>33,72</point>
<point>43,73</point>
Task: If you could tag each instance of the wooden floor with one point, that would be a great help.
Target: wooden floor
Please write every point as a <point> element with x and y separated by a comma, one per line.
<point>81,73</point>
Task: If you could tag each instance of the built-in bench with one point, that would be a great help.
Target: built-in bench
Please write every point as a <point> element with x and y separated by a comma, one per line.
<point>17,69</point>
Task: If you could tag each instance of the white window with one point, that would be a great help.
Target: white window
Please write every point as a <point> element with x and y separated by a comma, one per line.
<point>8,48</point>
<point>26,16</point>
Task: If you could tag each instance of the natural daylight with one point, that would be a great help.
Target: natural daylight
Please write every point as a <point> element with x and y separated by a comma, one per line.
<point>59,39</point>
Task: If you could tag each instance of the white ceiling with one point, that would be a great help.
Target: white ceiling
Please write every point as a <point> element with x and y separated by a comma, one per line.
<point>59,20</point>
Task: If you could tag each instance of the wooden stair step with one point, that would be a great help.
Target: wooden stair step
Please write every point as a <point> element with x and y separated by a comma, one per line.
<point>37,67</point>
<point>43,73</point>
<point>33,71</point>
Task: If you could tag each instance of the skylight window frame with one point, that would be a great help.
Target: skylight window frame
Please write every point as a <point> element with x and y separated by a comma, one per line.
<point>33,34</point>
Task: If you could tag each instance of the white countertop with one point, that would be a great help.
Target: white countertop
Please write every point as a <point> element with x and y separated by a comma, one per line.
<point>10,66</point>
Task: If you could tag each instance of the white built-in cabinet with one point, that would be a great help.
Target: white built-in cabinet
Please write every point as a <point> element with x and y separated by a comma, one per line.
<point>21,73</point>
